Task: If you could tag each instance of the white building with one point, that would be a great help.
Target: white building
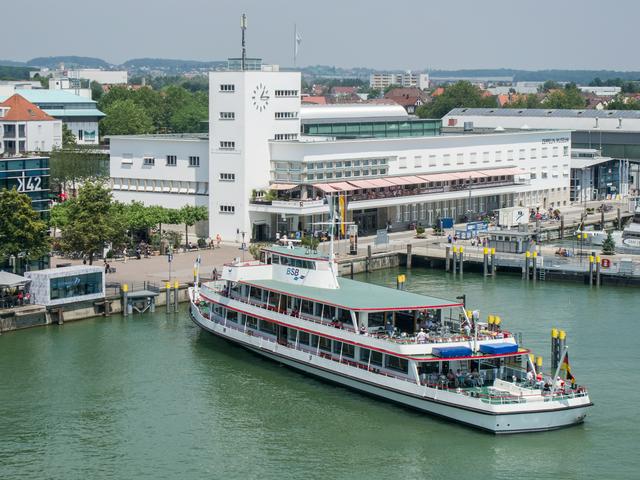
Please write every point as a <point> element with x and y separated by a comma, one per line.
<point>80,114</point>
<point>104,77</point>
<point>167,170</point>
<point>381,81</point>
<point>25,128</point>
<point>264,177</point>
<point>604,91</point>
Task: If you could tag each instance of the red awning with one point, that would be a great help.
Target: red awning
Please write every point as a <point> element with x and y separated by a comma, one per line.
<point>283,186</point>
<point>362,183</point>
<point>325,187</point>
<point>440,177</point>
<point>380,182</point>
<point>343,186</point>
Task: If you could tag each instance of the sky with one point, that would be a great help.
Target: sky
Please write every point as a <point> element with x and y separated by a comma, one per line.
<point>382,34</point>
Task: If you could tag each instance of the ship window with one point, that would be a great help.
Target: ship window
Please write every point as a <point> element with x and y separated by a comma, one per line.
<point>344,315</point>
<point>304,338</point>
<point>284,260</point>
<point>348,350</point>
<point>307,307</point>
<point>252,322</point>
<point>267,327</point>
<point>395,363</point>
<point>329,312</point>
<point>232,316</point>
<point>376,358</point>
<point>325,344</point>
<point>275,259</point>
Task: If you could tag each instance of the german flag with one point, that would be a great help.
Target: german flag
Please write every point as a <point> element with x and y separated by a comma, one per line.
<point>567,369</point>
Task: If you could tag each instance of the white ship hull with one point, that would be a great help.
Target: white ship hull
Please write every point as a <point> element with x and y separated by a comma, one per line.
<point>496,418</point>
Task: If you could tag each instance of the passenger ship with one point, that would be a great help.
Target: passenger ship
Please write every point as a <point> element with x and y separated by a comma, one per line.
<point>422,352</point>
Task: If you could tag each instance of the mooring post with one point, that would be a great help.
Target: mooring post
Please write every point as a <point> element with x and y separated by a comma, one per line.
<point>493,262</point>
<point>535,266</point>
<point>561,227</point>
<point>176,290</point>
<point>408,255</point>
<point>455,260</point>
<point>125,299</point>
<point>368,263</point>
<point>591,261</point>
<point>461,261</point>
<point>527,256</point>
<point>598,262</point>
<point>619,219</point>
<point>167,296</point>
<point>485,261</point>
<point>351,266</point>
<point>447,262</point>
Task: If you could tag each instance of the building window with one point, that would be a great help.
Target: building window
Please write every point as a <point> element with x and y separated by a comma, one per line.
<point>474,157</point>
<point>460,159</point>
<point>227,115</point>
<point>521,154</point>
<point>544,152</point>
<point>227,87</point>
<point>227,209</point>
<point>194,161</point>
<point>509,155</point>
<point>172,160</point>
<point>402,162</point>
<point>80,134</point>
<point>555,151</point>
<point>485,157</point>
<point>498,155</point>
<point>565,151</point>
<point>149,161</point>
<point>286,93</point>
<point>286,136</point>
<point>534,153</point>
<point>227,177</point>
<point>285,115</point>
<point>227,145</point>
<point>417,161</point>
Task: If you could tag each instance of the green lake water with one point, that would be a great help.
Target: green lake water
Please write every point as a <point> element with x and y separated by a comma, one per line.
<point>153,397</point>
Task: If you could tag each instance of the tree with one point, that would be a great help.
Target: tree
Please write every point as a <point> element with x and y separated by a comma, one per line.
<point>92,223</point>
<point>22,232</point>
<point>569,97</point>
<point>460,94</point>
<point>96,91</point>
<point>622,103</point>
<point>68,138</point>
<point>609,245</point>
<point>75,164</point>
<point>124,117</point>
<point>550,85</point>
<point>189,215</point>
<point>528,101</point>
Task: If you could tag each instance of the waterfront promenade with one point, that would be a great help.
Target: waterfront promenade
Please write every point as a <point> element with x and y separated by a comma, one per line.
<point>156,268</point>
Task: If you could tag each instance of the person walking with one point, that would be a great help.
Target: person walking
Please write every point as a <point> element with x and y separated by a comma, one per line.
<point>218,240</point>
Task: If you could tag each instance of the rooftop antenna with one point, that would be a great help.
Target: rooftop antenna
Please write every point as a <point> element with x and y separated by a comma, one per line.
<point>243,27</point>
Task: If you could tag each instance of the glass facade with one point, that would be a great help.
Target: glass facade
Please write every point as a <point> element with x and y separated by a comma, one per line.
<point>413,128</point>
<point>75,286</point>
<point>29,176</point>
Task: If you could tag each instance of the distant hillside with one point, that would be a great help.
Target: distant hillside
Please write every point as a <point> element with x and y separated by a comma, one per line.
<point>69,61</point>
<point>577,76</point>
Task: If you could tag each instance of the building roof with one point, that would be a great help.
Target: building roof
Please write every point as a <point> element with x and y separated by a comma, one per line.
<point>544,112</point>
<point>352,110</point>
<point>42,96</point>
<point>21,110</point>
<point>74,112</point>
<point>406,96</point>
<point>354,295</point>
<point>315,99</point>
<point>164,136</point>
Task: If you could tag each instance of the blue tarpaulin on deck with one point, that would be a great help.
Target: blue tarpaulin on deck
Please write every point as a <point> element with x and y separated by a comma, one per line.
<point>499,348</point>
<point>450,352</point>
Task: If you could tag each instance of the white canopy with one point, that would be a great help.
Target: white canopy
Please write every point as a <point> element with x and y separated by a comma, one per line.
<point>8,280</point>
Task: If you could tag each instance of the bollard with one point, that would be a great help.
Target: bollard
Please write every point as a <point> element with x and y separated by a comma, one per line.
<point>461,261</point>
<point>619,219</point>
<point>527,256</point>
<point>485,259</point>
<point>493,262</point>
<point>555,350</point>
<point>455,260</point>
<point>598,262</point>
<point>561,227</point>
<point>125,299</point>
<point>591,260</point>
<point>176,290</point>
<point>408,255</point>
<point>535,266</point>
<point>447,262</point>
<point>351,269</point>
<point>167,295</point>
<point>400,279</point>
<point>367,265</point>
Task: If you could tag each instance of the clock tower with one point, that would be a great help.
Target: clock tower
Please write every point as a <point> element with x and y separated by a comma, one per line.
<point>248,109</point>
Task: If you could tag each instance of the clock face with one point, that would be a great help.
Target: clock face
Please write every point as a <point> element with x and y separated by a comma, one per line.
<point>260,97</point>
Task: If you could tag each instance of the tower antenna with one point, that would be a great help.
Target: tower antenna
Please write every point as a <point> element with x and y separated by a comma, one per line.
<point>243,27</point>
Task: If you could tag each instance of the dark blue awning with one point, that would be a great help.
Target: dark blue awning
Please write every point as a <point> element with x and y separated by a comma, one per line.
<point>498,348</point>
<point>451,352</point>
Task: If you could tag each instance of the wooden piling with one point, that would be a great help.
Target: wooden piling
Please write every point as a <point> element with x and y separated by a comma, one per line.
<point>447,262</point>
<point>409,256</point>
